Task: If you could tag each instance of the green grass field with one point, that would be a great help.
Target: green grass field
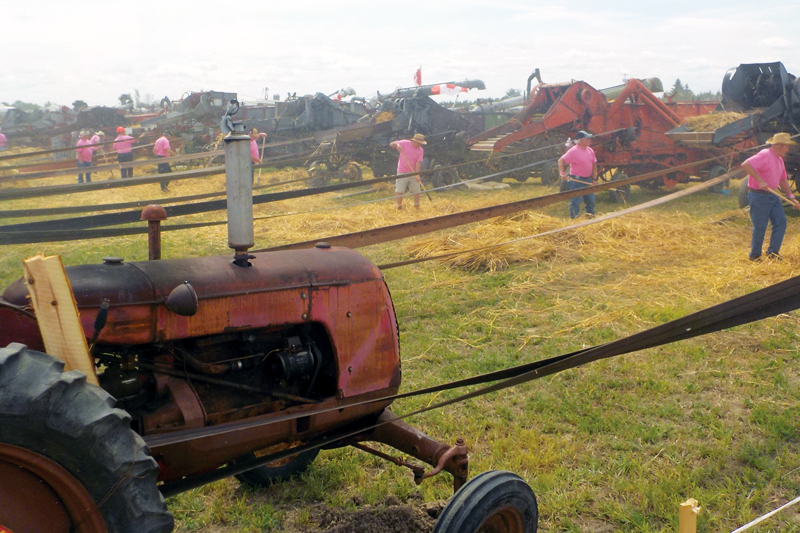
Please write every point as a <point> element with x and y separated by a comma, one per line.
<point>613,446</point>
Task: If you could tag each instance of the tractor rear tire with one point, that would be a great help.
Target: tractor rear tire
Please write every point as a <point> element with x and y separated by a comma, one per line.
<point>66,436</point>
<point>495,501</point>
<point>266,475</point>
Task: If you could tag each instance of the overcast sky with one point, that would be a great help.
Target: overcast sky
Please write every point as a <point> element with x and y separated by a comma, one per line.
<point>94,50</point>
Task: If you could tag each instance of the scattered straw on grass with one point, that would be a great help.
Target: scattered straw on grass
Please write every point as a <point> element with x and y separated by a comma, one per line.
<point>712,121</point>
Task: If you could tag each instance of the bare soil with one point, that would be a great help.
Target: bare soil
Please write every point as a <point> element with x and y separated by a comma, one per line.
<point>392,517</point>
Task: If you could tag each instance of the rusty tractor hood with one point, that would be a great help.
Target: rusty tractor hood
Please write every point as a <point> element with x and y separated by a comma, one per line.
<point>148,282</point>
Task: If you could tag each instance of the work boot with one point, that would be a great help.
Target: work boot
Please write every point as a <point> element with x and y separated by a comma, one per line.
<point>756,259</point>
<point>164,188</point>
<point>399,207</point>
<point>775,257</point>
<point>416,206</point>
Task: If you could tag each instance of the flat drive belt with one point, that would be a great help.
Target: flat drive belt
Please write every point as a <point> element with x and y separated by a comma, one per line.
<point>768,302</point>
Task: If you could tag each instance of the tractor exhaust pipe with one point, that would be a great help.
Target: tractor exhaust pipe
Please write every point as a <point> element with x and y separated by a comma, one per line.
<point>239,184</point>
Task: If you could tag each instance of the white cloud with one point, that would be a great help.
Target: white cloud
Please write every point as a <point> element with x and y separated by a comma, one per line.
<point>104,49</point>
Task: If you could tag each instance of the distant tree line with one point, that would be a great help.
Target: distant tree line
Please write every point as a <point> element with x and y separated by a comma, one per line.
<point>681,91</point>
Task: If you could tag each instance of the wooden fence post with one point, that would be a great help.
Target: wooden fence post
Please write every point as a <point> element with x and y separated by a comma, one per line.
<point>687,517</point>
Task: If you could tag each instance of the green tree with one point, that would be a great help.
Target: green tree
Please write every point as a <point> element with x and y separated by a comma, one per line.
<point>679,91</point>
<point>512,92</point>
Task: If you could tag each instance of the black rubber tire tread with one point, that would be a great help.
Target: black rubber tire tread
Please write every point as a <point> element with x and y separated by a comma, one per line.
<point>743,201</point>
<point>483,495</point>
<point>59,415</point>
<point>264,476</point>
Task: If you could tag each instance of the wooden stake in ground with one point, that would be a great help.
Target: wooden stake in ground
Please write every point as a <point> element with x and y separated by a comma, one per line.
<point>57,314</point>
<point>687,516</point>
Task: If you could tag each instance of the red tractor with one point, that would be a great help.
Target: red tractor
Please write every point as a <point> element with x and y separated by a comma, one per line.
<point>209,368</point>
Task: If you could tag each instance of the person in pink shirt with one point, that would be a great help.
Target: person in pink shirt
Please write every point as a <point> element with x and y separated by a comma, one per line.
<point>254,157</point>
<point>767,172</point>
<point>410,160</point>
<point>123,145</point>
<point>582,173</point>
<point>84,155</point>
<point>3,142</point>
<point>162,149</point>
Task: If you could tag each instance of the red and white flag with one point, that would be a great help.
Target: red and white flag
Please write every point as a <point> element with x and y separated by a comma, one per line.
<point>448,89</point>
<point>418,76</point>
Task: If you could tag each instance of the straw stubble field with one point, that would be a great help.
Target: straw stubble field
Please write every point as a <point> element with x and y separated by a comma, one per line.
<point>613,446</point>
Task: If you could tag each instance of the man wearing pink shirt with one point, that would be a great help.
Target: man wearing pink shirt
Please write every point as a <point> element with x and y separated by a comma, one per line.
<point>767,172</point>
<point>162,149</point>
<point>3,141</point>
<point>123,146</point>
<point>84,155</point>
<point>582,173</point>
<point>254,157</point>
<point>410,160</point>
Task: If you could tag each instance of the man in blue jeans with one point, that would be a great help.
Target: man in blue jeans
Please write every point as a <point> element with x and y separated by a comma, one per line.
<point>767,172</point>
<point>582,173</point>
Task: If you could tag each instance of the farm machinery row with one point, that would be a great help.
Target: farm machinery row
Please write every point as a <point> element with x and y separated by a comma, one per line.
<point>635,131</point>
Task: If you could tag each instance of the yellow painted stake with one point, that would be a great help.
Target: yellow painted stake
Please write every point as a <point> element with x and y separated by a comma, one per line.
<point>687,517</point>
<point>57,314</point>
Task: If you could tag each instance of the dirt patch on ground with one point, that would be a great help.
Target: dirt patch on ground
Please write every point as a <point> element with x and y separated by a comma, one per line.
<point>392,517</point>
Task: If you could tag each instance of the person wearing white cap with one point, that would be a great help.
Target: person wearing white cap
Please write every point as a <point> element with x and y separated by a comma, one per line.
<point>767,172</point>
<point>582,173</point>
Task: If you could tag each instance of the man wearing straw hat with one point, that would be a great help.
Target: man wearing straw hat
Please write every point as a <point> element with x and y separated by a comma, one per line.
<point>582,173</point>
<point>410,160</point>
<point>767,172</point>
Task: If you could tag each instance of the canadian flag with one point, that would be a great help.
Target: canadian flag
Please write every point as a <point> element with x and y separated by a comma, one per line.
<point>448,89</point>
<point>418,76</point>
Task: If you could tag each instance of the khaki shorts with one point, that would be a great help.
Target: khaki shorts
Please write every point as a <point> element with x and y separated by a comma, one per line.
<point>401,184</point>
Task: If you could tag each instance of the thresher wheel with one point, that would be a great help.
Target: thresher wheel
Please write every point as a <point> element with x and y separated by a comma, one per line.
<point>444,177</point>
<point>493,502</point>
<point>743,201</point>
<point>621,194</point>
<point>550,173</point>
<point>318,177</point>
<point>264,476</point>
<point>716,171</point>
<point>351,172</point>
<point>68,460</point>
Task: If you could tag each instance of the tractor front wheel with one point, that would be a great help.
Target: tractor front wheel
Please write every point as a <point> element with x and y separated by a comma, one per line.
<point>493,502</point>
<point>67,453</point>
